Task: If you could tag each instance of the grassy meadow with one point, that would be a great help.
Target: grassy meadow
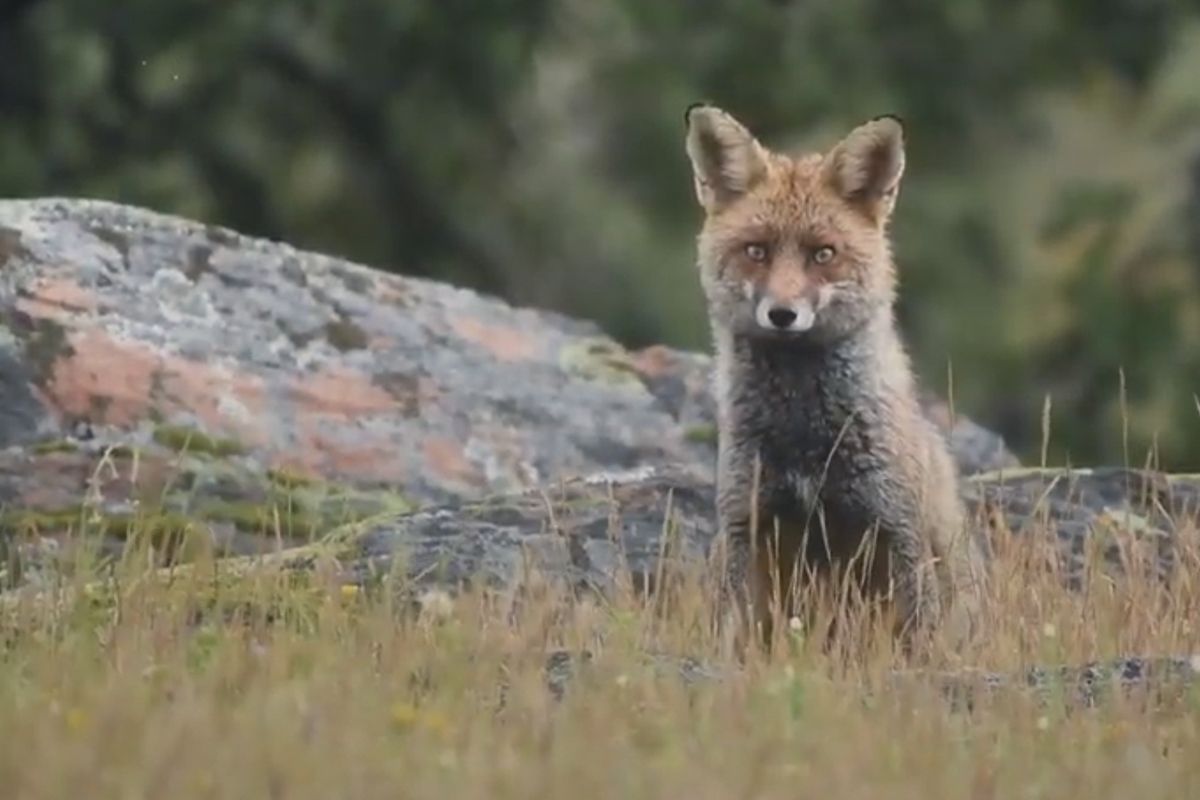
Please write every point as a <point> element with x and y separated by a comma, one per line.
<point>218,681</point>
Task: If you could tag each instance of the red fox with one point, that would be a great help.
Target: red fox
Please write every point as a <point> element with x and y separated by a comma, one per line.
<point>826,461</point>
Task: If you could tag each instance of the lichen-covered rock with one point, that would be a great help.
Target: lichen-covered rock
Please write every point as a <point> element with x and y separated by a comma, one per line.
<point>605,531</point>
<point>1131,518</point>
<point>120,322</point>
<point>1156,682</point>
<point>183,495</point>
<point>590,532</point>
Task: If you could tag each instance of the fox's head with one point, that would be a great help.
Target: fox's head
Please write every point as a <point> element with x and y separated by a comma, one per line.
<point>794,247</point>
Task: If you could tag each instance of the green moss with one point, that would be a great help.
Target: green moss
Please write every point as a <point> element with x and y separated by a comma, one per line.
<point>313,506</point>
<point>600,360</point>
<point>24,521</point>
<point>181,438</point>
<point>290,479</point>
<point>175,536</point>
<point>701,434</point>
<point>54,446</point>
<point>152,523</point>
<point>272,587</point>
<point>294,520</point>
<point>243,515</point>
<point>177,523</point>
<point>67,446</point>
<point>354,505</point>
<point>345,335</point>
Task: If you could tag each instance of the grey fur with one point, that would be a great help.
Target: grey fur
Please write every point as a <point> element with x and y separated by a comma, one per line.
<point>839,439</point>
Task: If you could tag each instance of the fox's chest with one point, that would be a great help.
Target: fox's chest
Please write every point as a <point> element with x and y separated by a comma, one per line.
<point>816,484</point>
<point>799,455</point>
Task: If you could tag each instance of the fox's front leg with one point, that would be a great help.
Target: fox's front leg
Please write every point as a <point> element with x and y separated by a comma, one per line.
<point>732,607</point>
<point>734,567</point>
<point>744,600</point>
<point>963,572</point>
<point>915,586</point>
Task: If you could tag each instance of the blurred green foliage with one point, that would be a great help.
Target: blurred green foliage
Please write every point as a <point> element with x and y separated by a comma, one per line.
<point>1048,232</point>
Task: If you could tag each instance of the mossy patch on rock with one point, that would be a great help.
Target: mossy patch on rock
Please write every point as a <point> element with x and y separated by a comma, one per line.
<point>290,479</point>
<point>600,360</point>
<point>183,439</point>
<point>16,522</point>
<point>174,537</point>
<point>245,516</point>
<point>276,586</point>
<point>345,335</point>
<point>701,434</point>
<point>295,506</point>
<point>199,488</point>
<point>181,530</point>
<point>316,508</point>
<point>51,446</point>
<point>54,446</point>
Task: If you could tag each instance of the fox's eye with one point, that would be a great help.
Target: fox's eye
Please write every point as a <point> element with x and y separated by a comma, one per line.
<point>756,252</point>
<point>824,255</point>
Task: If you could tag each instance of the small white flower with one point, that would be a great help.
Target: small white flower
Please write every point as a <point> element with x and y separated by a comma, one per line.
<point>795,625</point>
<point>1049,631</point>
<point>436,605</point>
<point>1043,723</point>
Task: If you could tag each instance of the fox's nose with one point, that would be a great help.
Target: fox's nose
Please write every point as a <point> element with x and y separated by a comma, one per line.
<point>794,317</point>
<point>781,316</point>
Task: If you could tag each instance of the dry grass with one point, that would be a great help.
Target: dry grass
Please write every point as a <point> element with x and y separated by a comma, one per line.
<point>267,686</point>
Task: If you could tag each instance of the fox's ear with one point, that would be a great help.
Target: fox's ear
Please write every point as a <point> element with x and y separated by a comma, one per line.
<point>727,160</point>
<point>865,168</point>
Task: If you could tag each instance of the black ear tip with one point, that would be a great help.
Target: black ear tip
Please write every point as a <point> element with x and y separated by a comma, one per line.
<point>687,114</point>
<point>896,118</point>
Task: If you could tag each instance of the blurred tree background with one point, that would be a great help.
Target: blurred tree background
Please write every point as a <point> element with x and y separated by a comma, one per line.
<point>1048,233</point>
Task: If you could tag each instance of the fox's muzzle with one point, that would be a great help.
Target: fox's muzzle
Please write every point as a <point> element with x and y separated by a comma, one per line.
<point>795,316</point>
